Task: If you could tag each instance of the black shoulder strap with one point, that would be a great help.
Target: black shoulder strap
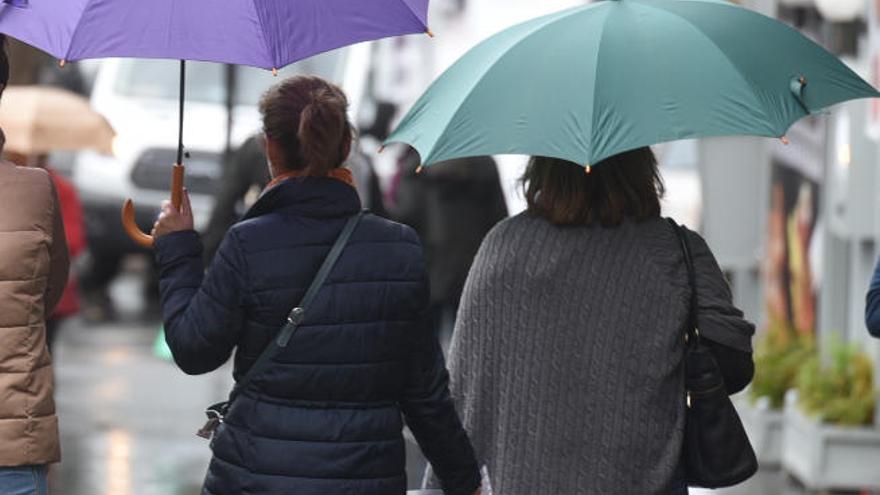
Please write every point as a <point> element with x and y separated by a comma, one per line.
<point>297,313</point>
<point>692,334</point>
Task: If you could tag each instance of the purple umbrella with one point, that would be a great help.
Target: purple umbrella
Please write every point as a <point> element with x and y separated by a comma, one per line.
<point>268,34</point>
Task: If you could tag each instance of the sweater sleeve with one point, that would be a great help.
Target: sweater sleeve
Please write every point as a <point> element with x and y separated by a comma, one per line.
<point>737,367</point>
<point>872,307</point>
<point>430,414</point>
<point>717,318</point>
<point>202,313</point>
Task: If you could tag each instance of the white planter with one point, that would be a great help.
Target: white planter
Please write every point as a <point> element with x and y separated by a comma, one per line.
<point>825,457</point>
<point>764,427</point>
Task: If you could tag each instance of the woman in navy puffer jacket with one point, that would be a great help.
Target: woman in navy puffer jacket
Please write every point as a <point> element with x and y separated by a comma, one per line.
<point>326,415</point>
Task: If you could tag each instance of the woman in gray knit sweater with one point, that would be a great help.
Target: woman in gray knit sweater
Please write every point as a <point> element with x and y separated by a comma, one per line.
<point>567,360</point>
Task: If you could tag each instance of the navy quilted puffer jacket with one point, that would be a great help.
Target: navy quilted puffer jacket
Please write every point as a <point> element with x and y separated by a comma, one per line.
<point>326,417</point>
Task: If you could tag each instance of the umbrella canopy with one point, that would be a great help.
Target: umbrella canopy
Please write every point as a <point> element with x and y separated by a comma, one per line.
<point>260,33</point>
<point>41,119</point>
<point>591,82</point>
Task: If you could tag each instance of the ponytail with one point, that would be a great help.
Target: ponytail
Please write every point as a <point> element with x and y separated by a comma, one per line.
<point>324,131</point>
<point>308,117</point>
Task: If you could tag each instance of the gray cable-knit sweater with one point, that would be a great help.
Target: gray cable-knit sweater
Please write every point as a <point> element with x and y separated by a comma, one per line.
<point>567,362</point>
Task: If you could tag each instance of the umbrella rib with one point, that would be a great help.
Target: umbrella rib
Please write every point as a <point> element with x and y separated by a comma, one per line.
<point>76,29</point>
<point>413,13</point>
<point>550,20</point>
<point>596,89</point>
<point>263,36</point>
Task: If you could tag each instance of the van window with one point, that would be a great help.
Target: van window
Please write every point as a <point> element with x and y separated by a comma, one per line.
<point>206,81</point>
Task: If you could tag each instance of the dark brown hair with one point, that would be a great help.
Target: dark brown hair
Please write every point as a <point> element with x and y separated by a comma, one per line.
<point>627,185</point>
<point>4,64</point>
<point>308,117</point>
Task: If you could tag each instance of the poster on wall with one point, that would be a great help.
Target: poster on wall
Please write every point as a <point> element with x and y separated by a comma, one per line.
<point>791,268</point>
<point>873,127</point>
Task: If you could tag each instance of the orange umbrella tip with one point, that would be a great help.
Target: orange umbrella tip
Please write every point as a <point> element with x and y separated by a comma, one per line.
<point>274,71</point>
<point>785,140</point>
<point>419,169</point>
<point>62,62</point>
<point>429,32</point>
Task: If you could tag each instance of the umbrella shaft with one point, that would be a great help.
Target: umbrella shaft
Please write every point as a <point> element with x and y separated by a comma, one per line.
<point>180,112</point>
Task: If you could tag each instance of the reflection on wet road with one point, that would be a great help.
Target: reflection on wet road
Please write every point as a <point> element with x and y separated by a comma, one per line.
<point>128,418</point>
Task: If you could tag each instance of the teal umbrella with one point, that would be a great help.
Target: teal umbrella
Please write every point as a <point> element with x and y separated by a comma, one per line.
<point>593,81</point>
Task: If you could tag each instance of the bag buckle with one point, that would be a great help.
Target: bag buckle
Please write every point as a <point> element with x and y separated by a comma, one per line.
<point>296,316</point>
<point>215,416</point>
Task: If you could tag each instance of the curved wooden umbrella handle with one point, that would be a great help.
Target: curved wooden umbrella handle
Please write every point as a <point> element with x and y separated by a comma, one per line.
<point>128,218</point>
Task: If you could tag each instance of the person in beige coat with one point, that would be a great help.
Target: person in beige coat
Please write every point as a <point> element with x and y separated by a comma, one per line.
<point>33,271</point>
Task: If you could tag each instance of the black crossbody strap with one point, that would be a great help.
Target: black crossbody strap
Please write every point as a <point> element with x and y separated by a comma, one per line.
<point>297,313</point>
<point>692,334</point>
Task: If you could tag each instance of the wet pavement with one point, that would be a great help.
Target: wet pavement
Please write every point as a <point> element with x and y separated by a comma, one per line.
<point>127,417</point>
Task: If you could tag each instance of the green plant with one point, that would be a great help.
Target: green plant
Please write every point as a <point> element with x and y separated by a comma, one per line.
<point>840,390</point>
<point>779,355</point>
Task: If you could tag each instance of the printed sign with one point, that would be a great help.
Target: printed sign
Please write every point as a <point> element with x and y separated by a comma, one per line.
<point>873,127</point>
<point>793,238</point>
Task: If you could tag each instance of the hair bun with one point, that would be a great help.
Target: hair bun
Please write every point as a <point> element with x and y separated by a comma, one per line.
<point>323,126</point>
<point>308,117</point>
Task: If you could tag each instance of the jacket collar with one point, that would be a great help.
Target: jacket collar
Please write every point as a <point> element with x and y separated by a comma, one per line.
<point>319,197</point>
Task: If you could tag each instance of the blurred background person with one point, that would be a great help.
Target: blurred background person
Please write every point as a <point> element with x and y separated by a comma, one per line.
<point>872,306</point>
<point>244,178</point>
<point>452,205</point>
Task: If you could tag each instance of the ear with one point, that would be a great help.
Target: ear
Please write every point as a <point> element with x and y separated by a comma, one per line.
<point>274,153</point>
<point>346,146</point>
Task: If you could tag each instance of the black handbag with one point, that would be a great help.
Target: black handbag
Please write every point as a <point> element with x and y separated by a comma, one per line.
<point>217,412</point>
<point>716,452</point>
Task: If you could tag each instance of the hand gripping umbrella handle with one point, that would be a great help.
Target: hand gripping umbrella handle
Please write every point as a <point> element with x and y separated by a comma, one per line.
<point>128,218</point>
<point>128,221</point>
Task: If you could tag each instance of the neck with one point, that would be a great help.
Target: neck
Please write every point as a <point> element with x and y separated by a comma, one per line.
<point>276,171</point>
<point>343,174</point>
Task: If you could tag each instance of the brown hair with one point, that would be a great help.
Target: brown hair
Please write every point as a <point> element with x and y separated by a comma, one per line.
<point>4,64</point>
<point>627,185</point>
<point>308,117</point>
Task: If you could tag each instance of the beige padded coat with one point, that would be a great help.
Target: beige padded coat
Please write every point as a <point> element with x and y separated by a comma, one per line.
<point>33,271</point>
